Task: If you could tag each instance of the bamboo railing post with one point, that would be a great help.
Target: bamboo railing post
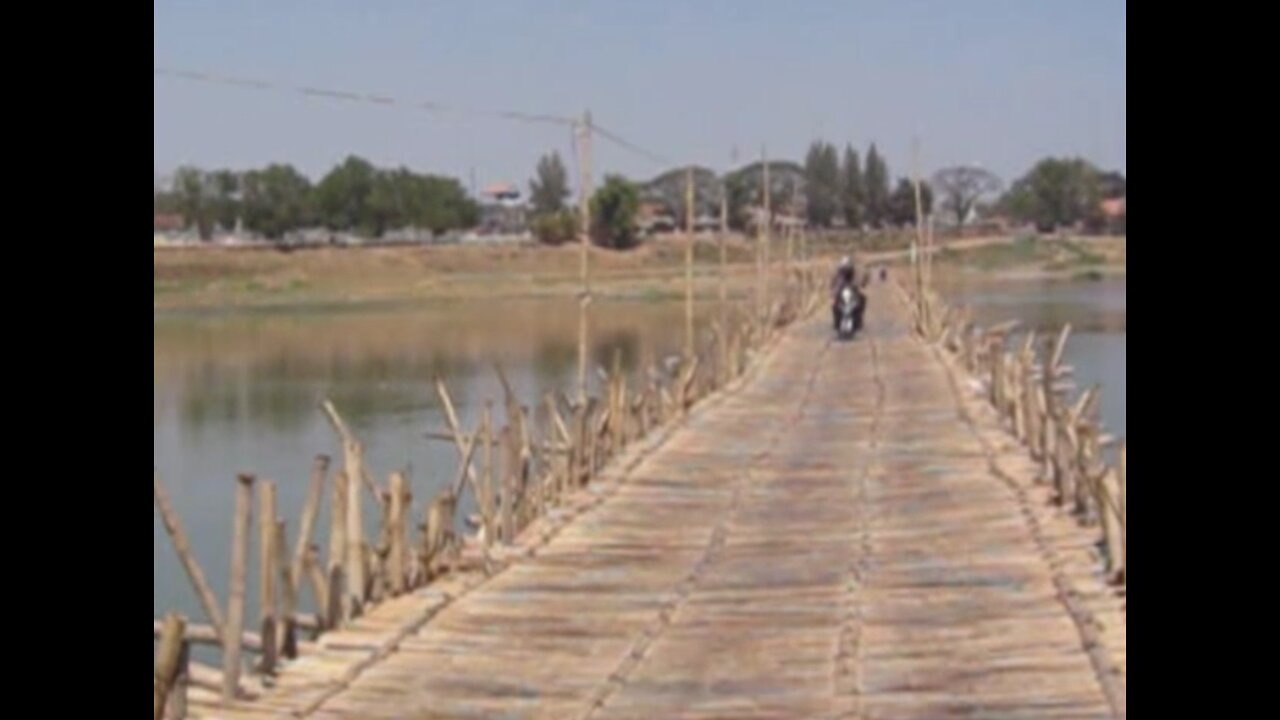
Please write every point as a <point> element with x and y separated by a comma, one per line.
<point>233,634</point>
<point>166,666</point>
<point>289,584</point>
<point>310,508</point>
<point>336,574</point>
<point>397,564</point>
<point>488,504</point>
<point>178,537</point>
<point>508,501</point>
<point>353,461</point>
<point>267,573</point>
<point>319,587</point>
<point>1124,513</point>
<point>437,530</point>
<point>176,699</point>
<point>355,566</point>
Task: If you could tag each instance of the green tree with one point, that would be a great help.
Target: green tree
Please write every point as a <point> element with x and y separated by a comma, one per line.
<point>342,196</point>
<point>851,189</point>
<point>195,199</point>
<point>876,189</point>
<point>613,213</point>
<point>276,200</point>
<point>555,228</point>
<point>1057,192</point>
<point>962,187</point>
<point>822,183</point>
<point>902,204</point>
<point>548,191</point>
<point>224,186</point>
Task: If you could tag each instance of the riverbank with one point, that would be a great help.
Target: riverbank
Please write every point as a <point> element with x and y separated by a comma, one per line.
<point>222,278</point>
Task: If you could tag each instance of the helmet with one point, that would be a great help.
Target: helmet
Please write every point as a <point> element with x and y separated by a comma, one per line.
<point>845,262</point>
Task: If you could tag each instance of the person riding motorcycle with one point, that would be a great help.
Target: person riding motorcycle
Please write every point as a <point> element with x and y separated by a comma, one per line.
<point>844,276</point>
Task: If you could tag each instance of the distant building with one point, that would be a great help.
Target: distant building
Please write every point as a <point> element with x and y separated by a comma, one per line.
<point>502,211</point>
<point>167,223</point>
<point>652,218</point>
<point>1113,208</point>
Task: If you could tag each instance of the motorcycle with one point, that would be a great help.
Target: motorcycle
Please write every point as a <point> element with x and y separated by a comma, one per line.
<point>849,306</point>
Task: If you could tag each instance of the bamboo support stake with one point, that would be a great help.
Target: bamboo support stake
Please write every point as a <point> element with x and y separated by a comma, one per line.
<point>166,666</point>
<point>289,584</point>
<point>451,417</point>
<point>267,573</point>
<point>204,593</point>
<point>176,700</point>
<point>397,563</point>
<point>336,573</point>
<point>319,590</point>
<point>310,508</point>
<point>488,505</point>
<point>231,638</point>
<point>354,569</point>
<point>1124,513</point>
<point>508,486</point>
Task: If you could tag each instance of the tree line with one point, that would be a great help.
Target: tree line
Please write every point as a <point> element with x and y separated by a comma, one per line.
<point>354,197</point>
<point>828,190</point>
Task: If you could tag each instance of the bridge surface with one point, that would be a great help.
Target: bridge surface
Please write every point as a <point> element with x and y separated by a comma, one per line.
<point>845,534</point>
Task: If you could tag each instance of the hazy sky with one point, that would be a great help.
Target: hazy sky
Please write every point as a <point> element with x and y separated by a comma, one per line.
<point>1001,83</point>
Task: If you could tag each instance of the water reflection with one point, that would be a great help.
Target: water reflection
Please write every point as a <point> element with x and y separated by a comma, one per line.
<point>240,392</point>
<point>1096,311</point>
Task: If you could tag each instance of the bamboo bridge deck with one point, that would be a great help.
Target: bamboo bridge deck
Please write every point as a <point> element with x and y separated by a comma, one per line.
<point>846,533</point>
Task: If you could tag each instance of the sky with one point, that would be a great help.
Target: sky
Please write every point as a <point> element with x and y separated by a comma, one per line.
<point>999,83</point>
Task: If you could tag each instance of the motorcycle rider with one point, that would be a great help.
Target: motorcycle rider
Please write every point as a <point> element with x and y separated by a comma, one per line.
<point>844,276</point>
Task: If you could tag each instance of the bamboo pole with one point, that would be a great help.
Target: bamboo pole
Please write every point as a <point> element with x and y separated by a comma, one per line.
<point>451,417</point>
<point>267,573</point>
<point>176,701</point>
<point>319,587</point>
<point>584,210</point>
<point>353,461</point>
<point>289,584</point>
<point>1124,513</point>
<point>488,506</point>
<point>166,666</point>
<point>397,563</point>
<point>765,229</point>
<point>178,537</point>
<point>508,486</point>
<point>231,637</point>
<point>336,572</point>
<point>310,508</point>
<point>688,261</point>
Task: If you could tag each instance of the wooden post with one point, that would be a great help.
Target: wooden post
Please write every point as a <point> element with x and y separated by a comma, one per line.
<point>208,601</point>
<point>166,667</point>
<point>688,262</point>
<point>762,254</point>
<point>336,574</point>
<point>232,636</point>
<point>1124,513</point>
<point>310,508</point>
<point>176,699</point>
<point>508,486</point>
<point>289,584</point>
<point>437,530</point>
<point>724,259</point>
<point>319,587</point>
<point>488,509</point>
<point>355,571</point>
<point>917,255</point>
<point>353,461</point>
<point>584,211</point>
<point>397,563</point>
<point>267,573</point>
